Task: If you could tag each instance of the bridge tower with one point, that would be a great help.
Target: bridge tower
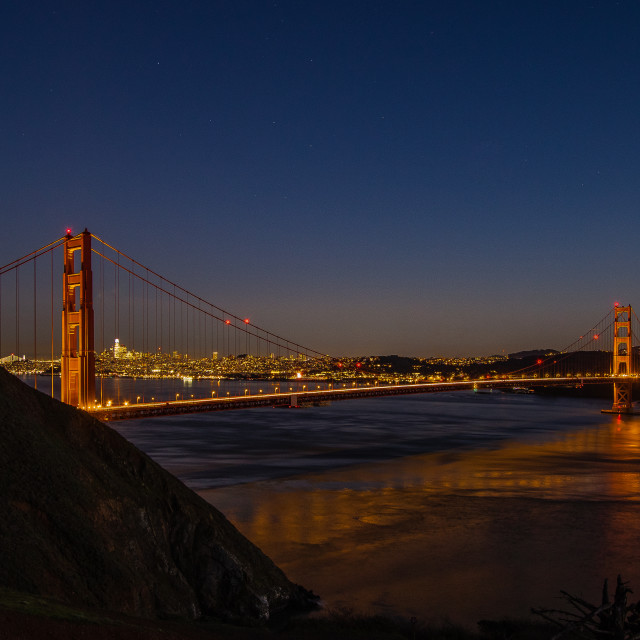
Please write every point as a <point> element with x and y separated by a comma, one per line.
<point>78,368</point>
<point>622,359</point>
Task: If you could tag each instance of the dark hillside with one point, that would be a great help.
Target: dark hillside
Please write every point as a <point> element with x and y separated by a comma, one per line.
<point>90,520</point>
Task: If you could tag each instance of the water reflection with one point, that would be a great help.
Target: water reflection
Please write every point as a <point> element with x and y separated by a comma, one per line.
<point>468,534</point>
<point>121,390</point>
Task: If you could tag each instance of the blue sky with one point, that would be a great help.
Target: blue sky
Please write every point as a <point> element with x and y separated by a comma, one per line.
<point>421,178</point>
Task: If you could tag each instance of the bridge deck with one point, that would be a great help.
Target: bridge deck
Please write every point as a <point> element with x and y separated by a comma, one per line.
<point>148,409</point>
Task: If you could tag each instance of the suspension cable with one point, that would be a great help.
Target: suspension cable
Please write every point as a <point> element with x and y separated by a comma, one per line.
<point>238,321</point>
<point>565,353</point>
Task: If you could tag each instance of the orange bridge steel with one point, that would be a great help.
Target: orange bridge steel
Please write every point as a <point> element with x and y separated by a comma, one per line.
<point>306,398</point>
<point>78,361</point>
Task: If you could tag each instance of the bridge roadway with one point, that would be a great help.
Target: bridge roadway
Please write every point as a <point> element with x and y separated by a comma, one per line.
<point>302,398</point>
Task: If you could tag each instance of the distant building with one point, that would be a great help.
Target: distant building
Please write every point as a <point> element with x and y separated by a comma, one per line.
<point>12,358</point>
<point>119,351</point>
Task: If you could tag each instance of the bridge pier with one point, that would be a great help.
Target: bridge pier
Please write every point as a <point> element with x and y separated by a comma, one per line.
<point>77,363</point>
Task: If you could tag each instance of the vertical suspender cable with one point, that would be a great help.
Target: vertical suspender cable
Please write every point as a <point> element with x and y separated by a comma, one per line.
<point>148,332</point>
<point>144,324</point>
<point>35,334</point>
<point>0,316</point>
<point>131,342</point>
<point>102,330</point>
<point>116,294</point>
<point>17,314</point>
<point>132,315</point>
<point>51,323</point>
<point>175,347</point>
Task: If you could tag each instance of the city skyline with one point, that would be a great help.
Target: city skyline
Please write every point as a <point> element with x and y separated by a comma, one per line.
<point>415,178</point>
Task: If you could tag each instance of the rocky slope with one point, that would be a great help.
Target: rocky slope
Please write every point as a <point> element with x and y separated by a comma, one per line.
<point>90,520</point>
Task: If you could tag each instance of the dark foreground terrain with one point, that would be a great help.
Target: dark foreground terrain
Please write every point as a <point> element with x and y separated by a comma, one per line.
<point>90,521</point>
<point>25,617</point>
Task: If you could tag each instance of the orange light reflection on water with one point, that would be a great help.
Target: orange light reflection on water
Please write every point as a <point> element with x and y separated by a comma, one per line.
<point>500,529</point>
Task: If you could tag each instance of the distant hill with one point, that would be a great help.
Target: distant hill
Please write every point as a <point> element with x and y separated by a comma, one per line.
<point>90,520</point>
<point>533,353</point>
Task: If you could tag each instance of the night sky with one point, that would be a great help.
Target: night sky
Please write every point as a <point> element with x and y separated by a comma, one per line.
<point>368,177</point>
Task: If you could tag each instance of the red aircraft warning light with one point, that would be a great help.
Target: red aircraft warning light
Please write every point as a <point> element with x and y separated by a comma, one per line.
<point>227,321</point>
<point>246,320</point>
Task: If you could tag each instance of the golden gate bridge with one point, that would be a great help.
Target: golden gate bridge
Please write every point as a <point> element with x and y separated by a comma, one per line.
<point>110,300</point>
